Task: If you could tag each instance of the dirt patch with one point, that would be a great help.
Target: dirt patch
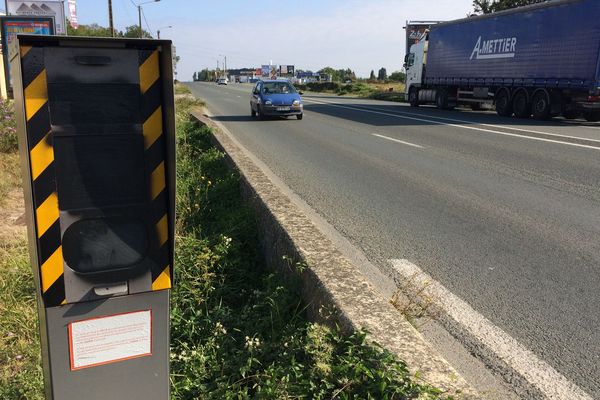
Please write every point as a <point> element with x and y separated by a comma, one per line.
<point>13,226</point>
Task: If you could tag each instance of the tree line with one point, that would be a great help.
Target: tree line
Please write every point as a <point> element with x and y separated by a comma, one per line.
<point>492,6</point>
<point>337,75</point>
<point>95,30</point>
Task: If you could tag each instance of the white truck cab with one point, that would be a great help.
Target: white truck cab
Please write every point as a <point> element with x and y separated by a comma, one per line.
<point>415,62</point>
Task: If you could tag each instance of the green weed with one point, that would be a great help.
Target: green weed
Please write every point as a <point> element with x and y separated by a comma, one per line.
<point>181,89</point>
<point>10,174</point>
<point>20,363</point>
<point>8,130</point>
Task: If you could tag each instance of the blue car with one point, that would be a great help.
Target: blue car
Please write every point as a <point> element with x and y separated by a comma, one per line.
<point>275,98</point>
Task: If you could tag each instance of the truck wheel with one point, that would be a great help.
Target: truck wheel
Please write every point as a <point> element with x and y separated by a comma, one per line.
<point>521,106</point>
<point>591,116</point>
<point>541,106</point>
<point>503,104</point>
<point>441,99</point>
<point>413,97</point>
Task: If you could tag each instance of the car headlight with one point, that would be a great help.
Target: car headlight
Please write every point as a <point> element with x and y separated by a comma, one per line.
<point>268,102</point>
<point>296,103</point>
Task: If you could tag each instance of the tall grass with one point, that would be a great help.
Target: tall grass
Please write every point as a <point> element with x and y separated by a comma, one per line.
<point>8,131</point>
<point>10,174</point>
<point>20,368</point>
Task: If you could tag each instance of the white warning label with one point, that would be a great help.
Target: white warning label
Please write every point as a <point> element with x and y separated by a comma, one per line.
<point>113,338</point>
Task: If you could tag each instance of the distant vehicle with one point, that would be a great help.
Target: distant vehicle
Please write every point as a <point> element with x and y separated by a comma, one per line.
<point>276,98</point>
<point>541,60</point>
<point>222,81</point>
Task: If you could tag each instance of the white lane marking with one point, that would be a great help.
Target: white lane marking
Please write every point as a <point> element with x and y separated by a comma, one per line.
<point>399,141</point>
<point>596,128</point>
<point>401,116</point>
<point>507,127</point>
<point>523,361</point>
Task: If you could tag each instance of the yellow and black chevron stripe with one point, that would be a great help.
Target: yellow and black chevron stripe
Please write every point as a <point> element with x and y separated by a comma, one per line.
<point>155,152</point>
<point>45,200</point>
<point>43,172</point>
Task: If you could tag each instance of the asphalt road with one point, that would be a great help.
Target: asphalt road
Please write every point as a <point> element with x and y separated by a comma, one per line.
<point>505,213</point>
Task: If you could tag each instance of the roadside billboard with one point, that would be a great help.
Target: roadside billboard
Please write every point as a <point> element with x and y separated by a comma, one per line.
<point>265,70</point>
<point>10,26</point>
<point>48,8</point>
<point>73,14</point>
<point>286,70</point>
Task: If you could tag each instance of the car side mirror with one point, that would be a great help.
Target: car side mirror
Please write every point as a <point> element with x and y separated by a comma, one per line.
<point>301,93</point>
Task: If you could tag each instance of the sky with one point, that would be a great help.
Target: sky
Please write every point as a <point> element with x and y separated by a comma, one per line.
<point>362,35</point>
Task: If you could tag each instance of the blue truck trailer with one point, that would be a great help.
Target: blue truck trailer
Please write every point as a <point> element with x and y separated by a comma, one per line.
<point>541,60</point>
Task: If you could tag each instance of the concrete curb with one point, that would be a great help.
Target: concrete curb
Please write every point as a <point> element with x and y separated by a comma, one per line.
<point>331,284</point>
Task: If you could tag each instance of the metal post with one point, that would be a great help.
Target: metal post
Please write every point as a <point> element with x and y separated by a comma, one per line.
<point>110,19</point>
<point>158,34</point>
<point>6,6</point>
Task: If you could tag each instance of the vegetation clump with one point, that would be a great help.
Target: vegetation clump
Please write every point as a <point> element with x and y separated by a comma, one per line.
<point>8,130</point>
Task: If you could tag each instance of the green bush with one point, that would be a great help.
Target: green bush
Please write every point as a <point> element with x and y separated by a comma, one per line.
<point>323,86</point>
<point>8,130</point>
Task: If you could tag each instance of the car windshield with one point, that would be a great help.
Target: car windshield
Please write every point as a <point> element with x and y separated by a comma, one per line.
<point>278,88</point>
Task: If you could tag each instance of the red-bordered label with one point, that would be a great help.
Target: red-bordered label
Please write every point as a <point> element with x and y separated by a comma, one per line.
<point>110,339</point>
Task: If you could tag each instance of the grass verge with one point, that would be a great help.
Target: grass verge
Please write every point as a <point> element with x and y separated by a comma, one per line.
<point>181,89</point>
<point>239,331</point>
<point>10,174</point>
<point>369,90</point>
<point>8,130</point>
<point>20,361</point>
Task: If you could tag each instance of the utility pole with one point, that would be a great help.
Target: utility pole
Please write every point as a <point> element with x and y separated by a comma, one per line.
<point>225,67</point>
<point>217,70</point>
<point>140,18</point>
<point>139,7</point>
<point>162,27</point>
<point>110,19</point>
